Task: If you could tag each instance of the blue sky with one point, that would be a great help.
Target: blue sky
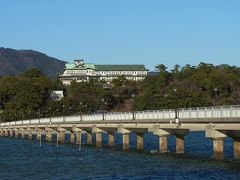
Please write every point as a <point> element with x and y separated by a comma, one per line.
<point>146,32</point>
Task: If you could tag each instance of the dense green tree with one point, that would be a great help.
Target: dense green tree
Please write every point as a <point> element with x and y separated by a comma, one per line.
<point>32,73</point>
<point>161,68</point>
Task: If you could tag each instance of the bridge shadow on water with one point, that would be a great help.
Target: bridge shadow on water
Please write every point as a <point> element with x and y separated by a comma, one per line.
<point>24,159</point>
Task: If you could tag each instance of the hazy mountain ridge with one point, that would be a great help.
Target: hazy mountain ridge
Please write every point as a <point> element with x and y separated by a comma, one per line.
<point>13,62</point>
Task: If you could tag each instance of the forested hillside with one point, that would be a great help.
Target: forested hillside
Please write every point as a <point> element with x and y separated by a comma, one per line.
<point>27,95</point>
<point>14,62</point>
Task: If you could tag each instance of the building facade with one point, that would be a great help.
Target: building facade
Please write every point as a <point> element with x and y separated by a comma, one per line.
<point>81,71</point>
<point>56,95</point>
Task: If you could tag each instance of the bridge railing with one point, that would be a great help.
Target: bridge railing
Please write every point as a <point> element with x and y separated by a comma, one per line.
<point>193,114</point>
<point>219,112</point>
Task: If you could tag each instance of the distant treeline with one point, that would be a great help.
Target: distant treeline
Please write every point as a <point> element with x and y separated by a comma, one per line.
<point>28,95</point>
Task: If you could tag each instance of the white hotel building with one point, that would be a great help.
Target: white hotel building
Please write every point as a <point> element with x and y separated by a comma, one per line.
<point>81,71</point>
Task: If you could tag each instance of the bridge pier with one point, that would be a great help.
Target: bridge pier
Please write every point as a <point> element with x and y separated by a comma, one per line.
<point>62,136</point>
<point>163,134</point>
<point>29,134</point>
<point>163,141</point>
<point>140,140</point>
<point>235,135</point>
<point>99,139</point>
<point>75,135</point>
<point>218,141</point>
<point>218,149</point>
<point>23,133</point>
<point>16,133</point>
<point>79,137</point>
<point>49,132</point>
<point>125,141</point>
<point>89,138</point>
<point>6,133</point>
<point>180,134</point>
<point>236,148</point>
<point>98,133</point>
<point>110,132</point>
<point>163,144</point>
<point>11,133</point>
<point>125,137</point>
<point>180,144</point>
<point>38,134</point>
<point>72,137</point>
<point>218,134</point>
<point>49,135</point>
<point>1,132</point>
<point>111,139</point>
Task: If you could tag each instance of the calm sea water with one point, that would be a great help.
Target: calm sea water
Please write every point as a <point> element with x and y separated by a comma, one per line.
<point>25,159</point>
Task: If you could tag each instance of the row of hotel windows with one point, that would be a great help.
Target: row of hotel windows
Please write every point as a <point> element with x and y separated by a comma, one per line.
<point>101,78</point>
<point>79,71</point>
<point>106,72</point>
<point>129,78</point>
<point>121,72</point>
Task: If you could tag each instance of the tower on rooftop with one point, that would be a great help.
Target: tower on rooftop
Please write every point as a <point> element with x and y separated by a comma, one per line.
<point>79,61</point>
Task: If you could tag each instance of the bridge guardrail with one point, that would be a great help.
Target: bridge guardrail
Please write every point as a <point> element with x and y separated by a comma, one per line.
<point>193,114</point>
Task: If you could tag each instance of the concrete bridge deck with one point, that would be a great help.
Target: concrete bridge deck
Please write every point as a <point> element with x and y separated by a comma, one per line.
<point>217,122</point>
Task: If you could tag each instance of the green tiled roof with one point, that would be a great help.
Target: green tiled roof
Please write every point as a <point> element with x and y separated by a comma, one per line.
<point>130,67</point>
<point>70,65</point>
<point>89,66</point>
<point>84,66</point>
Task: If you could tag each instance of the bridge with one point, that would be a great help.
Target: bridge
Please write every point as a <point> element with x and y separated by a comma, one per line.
<point>217,122</point>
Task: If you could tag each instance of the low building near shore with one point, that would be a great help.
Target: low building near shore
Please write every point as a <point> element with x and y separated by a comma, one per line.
<point>56,95</point>
<point>83,72</point>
